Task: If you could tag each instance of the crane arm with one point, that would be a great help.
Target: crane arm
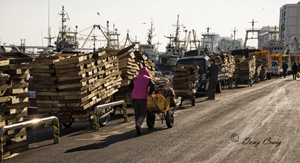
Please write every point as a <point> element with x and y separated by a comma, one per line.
<point>87,37</point>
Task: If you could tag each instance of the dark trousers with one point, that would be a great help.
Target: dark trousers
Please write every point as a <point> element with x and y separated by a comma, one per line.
<point>284,73</point>
<point>211,89</point>
<point>140,110</point>
<point>294,75</point>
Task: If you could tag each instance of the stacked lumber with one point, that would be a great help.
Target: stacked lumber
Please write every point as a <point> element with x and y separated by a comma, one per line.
<point>263,71</point>
<point>162,80</point>
<point>244,68</point>
<point>14,100</point>
<point>129,69</point>
<point>226,64</point>
<point>258,64</point>
<point>130,64</point>
<point>108,65</point>
<point>142,61</point>
<point>45,83</point>
<point>264,60</point>
<point>185,79</point>
<point>73,74</point>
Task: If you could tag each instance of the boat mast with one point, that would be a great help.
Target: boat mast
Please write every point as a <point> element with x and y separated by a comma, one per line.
<point>176,39</point>
<point>49,38</point>
<point>234,33</point>
<point>150,34</point>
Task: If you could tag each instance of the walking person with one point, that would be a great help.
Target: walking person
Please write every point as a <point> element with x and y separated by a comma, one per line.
<point>212,77</point>
<point>139,87</point>
<point>295,70</point>
<point>284,68</point>
<point>298,66</point>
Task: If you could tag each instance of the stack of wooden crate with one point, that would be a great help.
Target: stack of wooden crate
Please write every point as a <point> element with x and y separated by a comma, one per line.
<point>185,79</point>
<point>130,64</point>
<point>129,69</point>
<point>258,65</point>
<point>246,68</point>
<point>45,83</point>
<point>74,75</point>
<point>226,64</point>
<point>14,100</point>
<point>263,71</point>
<point>108,64</point>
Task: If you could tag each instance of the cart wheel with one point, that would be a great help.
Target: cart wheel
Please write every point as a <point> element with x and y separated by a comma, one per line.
<point>219,87</point>
<point>67,124</point>
<point>103,121</point>
<point>193,100</point>
<point>170,119</point>
<point>229,84</point>
<point>150,120</point>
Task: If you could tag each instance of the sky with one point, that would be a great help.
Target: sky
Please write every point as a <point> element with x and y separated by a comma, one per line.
<point>28,19</point>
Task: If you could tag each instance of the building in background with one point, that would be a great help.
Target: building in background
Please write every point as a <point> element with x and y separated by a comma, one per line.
<point>289,22</point>
<point>289,27</point>
<point>226,43</point>
<point>269,33</point>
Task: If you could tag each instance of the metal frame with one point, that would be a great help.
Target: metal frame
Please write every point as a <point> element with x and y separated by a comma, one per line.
<point>99,107</point>
<point>52,119</point>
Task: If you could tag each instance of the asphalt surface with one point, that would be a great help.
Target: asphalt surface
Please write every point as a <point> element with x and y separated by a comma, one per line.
<point>245,124</point>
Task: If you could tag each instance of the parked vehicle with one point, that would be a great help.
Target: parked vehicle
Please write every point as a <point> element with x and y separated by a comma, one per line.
<point>277,65</point>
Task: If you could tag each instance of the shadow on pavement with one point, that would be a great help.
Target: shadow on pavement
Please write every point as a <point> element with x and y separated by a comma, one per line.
<point>114,139</point>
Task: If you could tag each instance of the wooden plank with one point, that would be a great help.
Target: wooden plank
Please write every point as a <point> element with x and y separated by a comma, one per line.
<point>18,100</point>
<point>71,60</point>
<point>4,99</point>
<point>75,85</point>
<point>42,71</point>
<point>38,78</point>
<point>44,67</point>
<point>12,91</point>
<point>44,75</point>
<point>47,101</point>
<point>14,120</point>
<point>46,93</point>
<point>64,78</point>
<point>66,70</point>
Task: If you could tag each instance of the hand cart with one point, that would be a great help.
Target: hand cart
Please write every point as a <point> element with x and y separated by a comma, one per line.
<point>159,106</point>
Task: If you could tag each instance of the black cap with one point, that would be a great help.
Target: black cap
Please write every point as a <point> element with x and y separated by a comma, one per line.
<point>212,60</point>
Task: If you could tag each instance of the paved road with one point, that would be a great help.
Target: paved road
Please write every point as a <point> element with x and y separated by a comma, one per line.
<point>250,124</point>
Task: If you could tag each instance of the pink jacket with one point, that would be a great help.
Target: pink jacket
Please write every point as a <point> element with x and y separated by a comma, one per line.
<point>140,89</point>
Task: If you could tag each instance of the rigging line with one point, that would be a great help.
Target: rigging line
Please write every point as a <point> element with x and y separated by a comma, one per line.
<point>86,29</point>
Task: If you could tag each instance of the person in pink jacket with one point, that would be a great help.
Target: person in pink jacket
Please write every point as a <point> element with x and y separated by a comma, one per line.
<point>141,87</point>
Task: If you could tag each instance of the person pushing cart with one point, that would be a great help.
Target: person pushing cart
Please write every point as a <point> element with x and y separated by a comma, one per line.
<point>141,87</point>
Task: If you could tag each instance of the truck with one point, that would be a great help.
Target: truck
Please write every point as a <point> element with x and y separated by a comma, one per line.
<point>203,62</point>
<point>277,65</point>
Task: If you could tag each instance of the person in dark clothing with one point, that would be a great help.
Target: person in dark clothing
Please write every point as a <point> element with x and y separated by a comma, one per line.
<point>284,68</point>
<point>298,66</point>
<point>295,70</point>
<point>140,91</point>
<point>212,77</point>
